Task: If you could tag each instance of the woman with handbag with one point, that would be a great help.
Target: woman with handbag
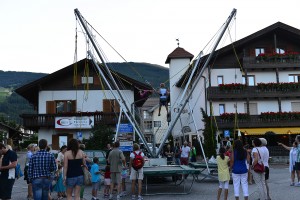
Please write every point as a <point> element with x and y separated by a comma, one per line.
<point>258,168</point>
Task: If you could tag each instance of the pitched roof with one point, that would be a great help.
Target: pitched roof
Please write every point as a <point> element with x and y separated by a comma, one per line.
<point>179,53</point>
<point>31,90</point>
<point>278,27</point>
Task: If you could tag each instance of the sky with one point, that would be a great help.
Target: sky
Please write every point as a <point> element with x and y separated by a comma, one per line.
<point>39,35</point>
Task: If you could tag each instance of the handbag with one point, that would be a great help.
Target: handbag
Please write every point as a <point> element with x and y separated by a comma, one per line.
<point>87,176</point>
<point>259,167</point>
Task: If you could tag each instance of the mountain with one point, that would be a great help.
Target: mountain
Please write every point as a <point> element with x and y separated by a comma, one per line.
<point>143,72</point>
<point>12,105</point>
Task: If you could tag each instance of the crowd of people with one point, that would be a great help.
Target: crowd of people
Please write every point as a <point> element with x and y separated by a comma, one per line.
<point>64,175</point>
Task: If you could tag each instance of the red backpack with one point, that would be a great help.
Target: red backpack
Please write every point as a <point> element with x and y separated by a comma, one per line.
<point>138,161</point>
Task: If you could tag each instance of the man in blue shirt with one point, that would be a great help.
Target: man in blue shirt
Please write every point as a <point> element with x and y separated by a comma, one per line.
<point>41,166</point>
<point>7,169</point>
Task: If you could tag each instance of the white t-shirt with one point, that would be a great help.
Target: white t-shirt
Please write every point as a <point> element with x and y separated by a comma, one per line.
<point>264,155</point>
<point>137,152</point>
<point>185,151</point>
<point>60,157</point>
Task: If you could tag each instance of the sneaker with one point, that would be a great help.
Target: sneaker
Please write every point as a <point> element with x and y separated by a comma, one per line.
<point>292,184</point>
<point>123,194</point>
<point>110,196</point>
<point>118,197</point>
<point>297,184</point>
<point>132,197</point>
<point>140,197</point>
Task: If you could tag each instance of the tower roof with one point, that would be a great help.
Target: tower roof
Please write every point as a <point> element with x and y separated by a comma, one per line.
<point>179,53</point>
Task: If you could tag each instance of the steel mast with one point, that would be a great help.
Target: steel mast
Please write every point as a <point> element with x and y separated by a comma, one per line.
<point>183,103</point>
<point>121,101</point>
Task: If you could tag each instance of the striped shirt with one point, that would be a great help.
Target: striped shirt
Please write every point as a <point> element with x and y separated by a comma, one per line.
<point>41,164</point>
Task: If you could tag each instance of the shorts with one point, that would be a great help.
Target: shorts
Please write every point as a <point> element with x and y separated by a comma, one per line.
<point>297,166</point>
<point>6,187</point>
<point>107,181</point>
<point>74,181</point>
<point>223,184</point>
<point>163,102</point>
<point>137,174</point>
<point>115,177</point>
<point>267,173</point>
<point>95,186</point>
<point>26,175</point>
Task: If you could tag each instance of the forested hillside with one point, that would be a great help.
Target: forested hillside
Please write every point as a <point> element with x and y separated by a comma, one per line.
<point>12,105</point>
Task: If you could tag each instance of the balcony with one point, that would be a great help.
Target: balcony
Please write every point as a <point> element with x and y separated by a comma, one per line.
<point>256,121</point>
<point>36,121</point>
<point>271,63</point>
<point>251,92</point>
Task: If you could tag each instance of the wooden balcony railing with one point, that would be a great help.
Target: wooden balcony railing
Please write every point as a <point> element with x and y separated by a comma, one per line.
<point>251,92</point>
<point>36,121</point>
<point>256,121</point>
<point>283,62</point>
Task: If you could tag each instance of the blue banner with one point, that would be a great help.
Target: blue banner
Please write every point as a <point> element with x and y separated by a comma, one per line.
<point>125,128</point>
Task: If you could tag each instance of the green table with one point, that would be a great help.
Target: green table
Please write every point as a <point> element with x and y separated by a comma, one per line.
<point>212,173</point>
<point>171,171</point>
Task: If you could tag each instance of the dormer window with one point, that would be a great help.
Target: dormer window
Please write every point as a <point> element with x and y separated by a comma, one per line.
<point>259,51</point>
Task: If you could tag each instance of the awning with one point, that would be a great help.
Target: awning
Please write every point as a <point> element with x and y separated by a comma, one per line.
<point>262,131</point>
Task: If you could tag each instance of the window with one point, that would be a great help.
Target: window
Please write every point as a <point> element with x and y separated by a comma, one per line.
<point>146,115</point>
<point>294,78</point>
<point>157,123</point>
<point>220,80</point>
<point>280,51</point>
<point>251,80</point>
<point>148,125</point>
<point>63,106</point>
<point>252,108</point>
<point>295,106</point>
<point>89,80</point>
<point>259,51</point>
<point>221,109</point>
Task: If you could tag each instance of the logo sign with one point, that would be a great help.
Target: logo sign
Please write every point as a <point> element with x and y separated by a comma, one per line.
<point>83,122</point>
<point>226,133</point>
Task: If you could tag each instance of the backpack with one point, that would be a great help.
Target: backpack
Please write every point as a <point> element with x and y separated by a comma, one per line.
<point>138,161</point>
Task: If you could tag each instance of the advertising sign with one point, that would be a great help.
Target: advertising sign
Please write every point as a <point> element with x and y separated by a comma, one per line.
<point>125,136</point>
<point>82,122</point>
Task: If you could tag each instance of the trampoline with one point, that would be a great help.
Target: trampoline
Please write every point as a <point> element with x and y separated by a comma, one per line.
<point>213,168</point>
<point>170,171</point>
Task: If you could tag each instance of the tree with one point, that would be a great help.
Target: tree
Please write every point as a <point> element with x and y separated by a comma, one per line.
<point>209,133</point>
<point>101,135</point>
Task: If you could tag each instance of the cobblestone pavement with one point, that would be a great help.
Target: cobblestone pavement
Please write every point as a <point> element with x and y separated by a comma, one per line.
<point>205,190</point>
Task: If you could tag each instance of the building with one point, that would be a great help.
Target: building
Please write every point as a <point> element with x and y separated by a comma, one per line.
<point>255,92</point>
<point>153,126</point>
<point>70,101</point>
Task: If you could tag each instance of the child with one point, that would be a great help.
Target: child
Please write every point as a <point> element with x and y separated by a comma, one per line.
<point>124,176</point>
<point>95,172</point>
<point>107,181</point>
<point>59,186</point>
<point>223,173</point>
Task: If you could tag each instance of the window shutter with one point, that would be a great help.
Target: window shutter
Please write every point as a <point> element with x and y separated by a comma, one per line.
<point>50,107</point>
<point>74,106</point>
<point>295,106</point>
<point>253,108</point>
<point>96,80</point>
<point>55,142</point>
<point>116,106</point>
<point>106,105</point>
<point>70,136</point>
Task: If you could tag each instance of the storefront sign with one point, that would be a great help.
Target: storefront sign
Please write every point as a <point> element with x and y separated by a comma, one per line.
<point>83,122</point>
